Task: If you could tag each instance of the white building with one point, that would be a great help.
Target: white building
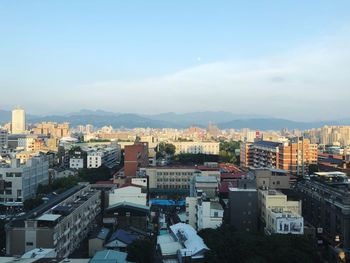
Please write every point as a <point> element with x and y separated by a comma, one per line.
<point>284,222</point>
<point>209,215</point>
<point>197,147</point>
<point>108,156</point>
<point>19,182</point>
<point>182,242</point>
<point>76,163</point>
<point>131,194</point>
<point>18,121</point>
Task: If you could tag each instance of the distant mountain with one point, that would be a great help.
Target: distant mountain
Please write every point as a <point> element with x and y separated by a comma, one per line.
<point>274,124</point>
<point>200,118</point>
<point>223,120</point>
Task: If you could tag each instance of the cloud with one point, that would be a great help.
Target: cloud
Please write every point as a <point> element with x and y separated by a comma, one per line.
<point>312,82</point>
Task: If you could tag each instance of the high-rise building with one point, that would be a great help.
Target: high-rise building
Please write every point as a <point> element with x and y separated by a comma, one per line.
<point>18,121</point>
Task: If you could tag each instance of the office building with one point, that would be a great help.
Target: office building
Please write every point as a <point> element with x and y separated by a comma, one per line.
<point>61,223</point>
<point>18,121</point>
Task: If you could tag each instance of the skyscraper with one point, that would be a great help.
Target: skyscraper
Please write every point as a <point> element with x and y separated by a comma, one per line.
<point>18,121</point>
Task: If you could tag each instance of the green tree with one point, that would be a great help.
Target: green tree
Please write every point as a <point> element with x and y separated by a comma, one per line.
<point>141,251</point>
<point>93,175</point>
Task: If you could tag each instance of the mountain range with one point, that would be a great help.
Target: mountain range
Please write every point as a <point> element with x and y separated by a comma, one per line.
<point>223,120</point>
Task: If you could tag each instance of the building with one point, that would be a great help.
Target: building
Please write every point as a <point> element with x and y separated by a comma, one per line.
<point>107,156</point>
<point>18,121</point>
<point>3,139</point>
<point>246,155</point>
<point>136,156</point>
<point>130,194</point>
<point>120,239</point>
<point>61,223</point>
<point>97,240</point>
<point>197,147</point>
<point>20,182</point>
<point>284,222</point>
<point>326,205</point>
<point>294,156</point>
<point>109,256</point>
<point>182,244</point>
<point>243,209</point>
<point>272,178</point>
<point>203,209</point>
<point>52,129</point>
<point>273,200</point>
<point>126,215</point>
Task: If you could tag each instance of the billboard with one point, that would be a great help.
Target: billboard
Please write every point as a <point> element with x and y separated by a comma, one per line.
<point>289,225</point>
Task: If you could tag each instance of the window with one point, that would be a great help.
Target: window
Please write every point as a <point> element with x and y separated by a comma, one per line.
<point>29,244</point>
<point>216,214</point>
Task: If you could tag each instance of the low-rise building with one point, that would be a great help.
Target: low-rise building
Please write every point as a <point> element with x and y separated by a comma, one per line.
<point>284,222</point>
<point>197,147</point>
<point>130,194</point>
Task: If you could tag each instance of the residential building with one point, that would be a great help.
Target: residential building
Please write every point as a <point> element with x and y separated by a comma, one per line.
<point>294,156</point>
<point>61,223</point>
<point>326,205</point>
<point>136,156</point>
<point>272,178</point>
<point>18,121</point>
<point>246,155</point>
<point>107,156</point>
<point>130,194</point>
<point>97,240</point>
<point>19,182</point>
<point>52,129</point>
<point>243,209</point>
<point>284,222</point>
<point>182,244</point>
<point>126,215</point>
<point>197,147</point>
<point>203,209</point>
<point>276,201</point>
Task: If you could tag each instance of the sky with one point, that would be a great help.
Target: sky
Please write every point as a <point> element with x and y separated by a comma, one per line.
<point>285,59</point>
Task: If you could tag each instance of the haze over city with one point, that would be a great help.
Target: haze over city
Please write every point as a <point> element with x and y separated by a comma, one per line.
<point>269,58</point>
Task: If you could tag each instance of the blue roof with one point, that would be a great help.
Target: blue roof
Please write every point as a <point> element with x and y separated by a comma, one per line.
<point>109,256</point>
<point>123,236</point>
<point>168,202</point>
<point>267,144</point>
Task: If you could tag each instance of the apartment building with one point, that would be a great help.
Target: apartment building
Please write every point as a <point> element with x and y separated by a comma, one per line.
<point>19,182</point>
<point>284,222</point>
<point>203,209</point>
<point>326,205</point>
<point>271,178</point>
<point>53,129</point>
<point>61,223</point>
<point>277,201</point>
<point>294,156</point>
<point>108,156</point>
<point>246,155</point>
<point>197,147</point>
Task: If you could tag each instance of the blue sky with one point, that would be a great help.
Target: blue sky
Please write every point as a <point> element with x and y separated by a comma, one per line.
<point>60,56</point>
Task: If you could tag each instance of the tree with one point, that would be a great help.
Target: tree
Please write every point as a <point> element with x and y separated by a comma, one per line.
<point>141,251</point>
<point>164,149</point>
<point>101,173</point>
<point>256,247</point>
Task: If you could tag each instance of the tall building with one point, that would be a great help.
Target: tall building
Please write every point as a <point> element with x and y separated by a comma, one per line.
<point>55,130</point>
<point>18,121</point>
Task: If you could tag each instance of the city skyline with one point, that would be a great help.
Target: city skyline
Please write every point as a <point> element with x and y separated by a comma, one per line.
<point>274,59</point>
